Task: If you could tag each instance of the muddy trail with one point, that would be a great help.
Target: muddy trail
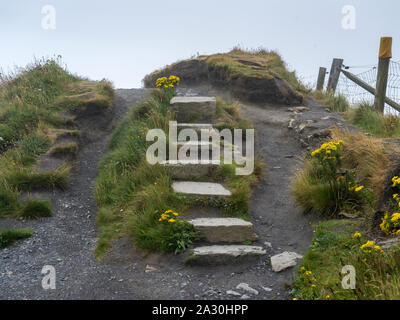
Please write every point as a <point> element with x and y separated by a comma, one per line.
<point>67,240</point>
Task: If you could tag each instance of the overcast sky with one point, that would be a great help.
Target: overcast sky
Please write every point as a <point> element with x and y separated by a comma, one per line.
<point>124,40</point>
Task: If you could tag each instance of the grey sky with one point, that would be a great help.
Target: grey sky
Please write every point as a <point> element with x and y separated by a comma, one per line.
<point>124,40</point>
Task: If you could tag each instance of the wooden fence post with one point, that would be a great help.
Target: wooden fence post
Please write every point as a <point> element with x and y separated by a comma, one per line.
<point>385,53</point>
<point>321,78</point>
<point>334,75</point>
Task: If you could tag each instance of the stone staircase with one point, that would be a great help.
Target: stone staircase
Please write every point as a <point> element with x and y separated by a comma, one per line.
<point>227,239</point>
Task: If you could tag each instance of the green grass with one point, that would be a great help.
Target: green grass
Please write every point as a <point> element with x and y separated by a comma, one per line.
<point>335,102</point>
<point>69,149</point>
<point>366,156</point>
<point>333,247</point>
<point>24,180</point>
<point>228,117</point>
<point>366,118</point>
<point>8,237</point>
<point>34,209</point>
<point>132,195</point>
<point>261,63</point>
<point>29,106</point>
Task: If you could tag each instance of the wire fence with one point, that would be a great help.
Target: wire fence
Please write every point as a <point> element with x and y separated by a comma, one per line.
<point>356,94</point>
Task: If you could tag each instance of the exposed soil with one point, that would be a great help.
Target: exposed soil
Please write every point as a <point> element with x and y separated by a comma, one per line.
<point>272,89</point>
<point>67,240</point>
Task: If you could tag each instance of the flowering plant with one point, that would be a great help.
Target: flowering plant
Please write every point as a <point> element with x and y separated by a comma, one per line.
<point>343,190</point>
<point>179,234</point>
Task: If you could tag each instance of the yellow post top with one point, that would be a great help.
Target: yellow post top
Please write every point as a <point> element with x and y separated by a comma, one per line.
<point>385,49</point>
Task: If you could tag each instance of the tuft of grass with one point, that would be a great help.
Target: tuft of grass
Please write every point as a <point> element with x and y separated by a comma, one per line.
<point>69,149</point>
<point>365,155</point>
<point>260,63</point>
<point>34,209</point>
<point>335,103</point>
<point>228,117</point>
<point>24,180</point>
<point>8,237</point>
<point>365,117</point>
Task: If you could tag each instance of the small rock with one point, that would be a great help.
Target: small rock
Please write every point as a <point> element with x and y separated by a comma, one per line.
<point>348,215</point>
<point>268,244</point>
<point>150,269</point>
<point>291,124</point>
<point>267,289</point>
<point>298,109</point>
<point>246,287</point>
<point>245,297</point>
<point>391,243</point>
<point>284,260</point>
<point>233,293</point>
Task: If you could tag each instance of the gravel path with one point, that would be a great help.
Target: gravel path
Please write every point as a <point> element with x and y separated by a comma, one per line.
<point>67,240</point>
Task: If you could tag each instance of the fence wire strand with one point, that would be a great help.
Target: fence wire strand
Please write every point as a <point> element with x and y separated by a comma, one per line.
<point>355,94</point>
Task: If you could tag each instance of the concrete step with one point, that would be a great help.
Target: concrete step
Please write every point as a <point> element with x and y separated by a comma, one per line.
<point>226,254</point>
<point>192,109</point>
<point>196,126</point>
<point>199,128</point>
<point>201,188</point>
<point>218,230</point>
<point>184,169</point>
<point>190,144</point>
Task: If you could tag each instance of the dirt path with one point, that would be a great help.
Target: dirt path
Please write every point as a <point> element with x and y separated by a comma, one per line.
<point>66,241</point>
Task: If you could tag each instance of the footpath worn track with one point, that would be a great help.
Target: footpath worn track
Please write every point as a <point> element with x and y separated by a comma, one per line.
<point>67,240</point>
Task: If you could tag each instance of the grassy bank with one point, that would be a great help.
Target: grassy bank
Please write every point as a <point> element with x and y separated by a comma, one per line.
<point>135,199</point>
<point>336,244</point>
<point>375,123</point>
<point>344,182</point>
<point>259,63</point>
<point>8,237</point>
<point>31,101</point>
<point>334,102</point>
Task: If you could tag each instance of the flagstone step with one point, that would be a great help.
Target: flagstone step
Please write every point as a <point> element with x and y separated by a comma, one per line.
<point>190,144</point>
<point>199,128</point>
<point>190,109</point>
<point>224,254</point>
<point>184,169</point>
<point>195,126</point>
<point>217,230</point>
<point>201,188</point>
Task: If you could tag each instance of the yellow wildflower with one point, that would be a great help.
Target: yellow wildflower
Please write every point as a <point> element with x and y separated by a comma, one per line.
<point>357,235</point>
<point>359,188</point>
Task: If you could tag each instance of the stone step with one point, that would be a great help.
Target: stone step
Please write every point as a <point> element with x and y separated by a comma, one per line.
<point>230,230</point>
<point>198,127</point>
<point>200,188</point>
<point>184,169</point>
<point>191,109</point>
<point>60,134</point>
<point>190,144</point>
<point>226,254</point>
